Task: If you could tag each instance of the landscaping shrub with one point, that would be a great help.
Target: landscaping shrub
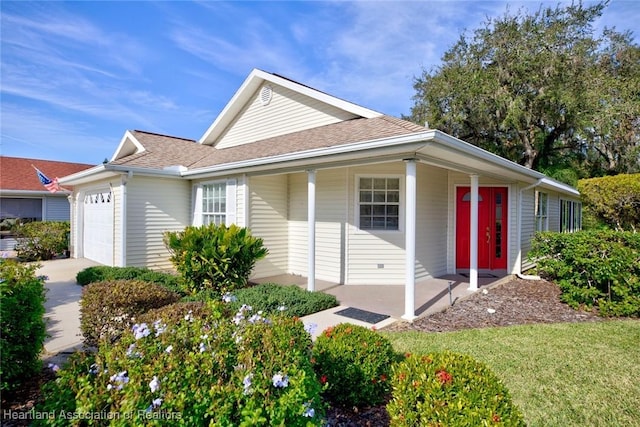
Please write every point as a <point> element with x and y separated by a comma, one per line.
<point>101,273</point>
<point>354,363</point>
<point>593,269</point>
<point>108,308</point>
<point>449,389</point>
<point>22,326</point>
<point>240,371</point>
<point>290,300</point>
<point>41,240</point>
<point>214,257</point>
<point>613,201</point>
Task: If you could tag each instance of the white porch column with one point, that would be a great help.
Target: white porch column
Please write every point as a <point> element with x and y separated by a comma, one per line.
<point>311,223</point>
<point>410,241</point>
<point>473,257</point>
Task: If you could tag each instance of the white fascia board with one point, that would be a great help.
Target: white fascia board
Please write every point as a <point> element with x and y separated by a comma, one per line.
<point>105,171</point>
<point>458,144</point>
<point>128,136</point>
<point>255,79</point>
<point>409,143</point>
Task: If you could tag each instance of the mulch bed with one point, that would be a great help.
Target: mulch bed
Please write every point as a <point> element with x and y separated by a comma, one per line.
<point>515,302</point>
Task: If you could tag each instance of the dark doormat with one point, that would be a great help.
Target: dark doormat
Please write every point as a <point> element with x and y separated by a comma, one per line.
<point>365,316</point>
<point>481,275</point>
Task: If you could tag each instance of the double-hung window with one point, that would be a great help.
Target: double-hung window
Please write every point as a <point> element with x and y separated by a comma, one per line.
<point>379,203</point>
<point>542,211</point>
<point>214,203</point>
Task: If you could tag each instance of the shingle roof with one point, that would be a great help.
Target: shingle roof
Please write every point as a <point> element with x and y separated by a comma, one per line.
<point>16,173</point>
<point>162,151</point>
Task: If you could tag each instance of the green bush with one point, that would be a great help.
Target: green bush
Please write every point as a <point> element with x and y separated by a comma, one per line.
<point>110,307</point>
<point>613,201</point>
<point>448,389</point>
<point>245,371</point>
<point>22,326</point>
<point>292,301</point>
<point>214,257</point>
<point>101,273</point>
<point>41,240</point>
<point>354,363</point>
<point>593,269</point>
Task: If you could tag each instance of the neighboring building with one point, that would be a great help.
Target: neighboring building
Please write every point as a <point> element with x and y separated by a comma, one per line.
<point>338,192</point>
<point>23,197</point>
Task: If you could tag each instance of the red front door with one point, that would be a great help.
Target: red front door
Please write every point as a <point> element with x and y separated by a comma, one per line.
<point>492,227</point>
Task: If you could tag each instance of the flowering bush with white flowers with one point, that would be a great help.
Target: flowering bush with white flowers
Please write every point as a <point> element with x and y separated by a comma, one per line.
<point>229,371</point>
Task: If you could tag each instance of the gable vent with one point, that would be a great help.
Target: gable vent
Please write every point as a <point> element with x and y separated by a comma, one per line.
<point>266,93</point>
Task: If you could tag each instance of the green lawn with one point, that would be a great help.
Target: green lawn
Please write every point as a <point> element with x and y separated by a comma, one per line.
<point>578,374</point>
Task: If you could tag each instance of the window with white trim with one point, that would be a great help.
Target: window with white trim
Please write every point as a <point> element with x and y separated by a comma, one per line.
<point>570,216</point>
<point>214,203</point>
<point>542,211</point>
<point>379,203</point>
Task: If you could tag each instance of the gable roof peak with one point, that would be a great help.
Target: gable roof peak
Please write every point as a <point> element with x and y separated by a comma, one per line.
<point>255,80</point>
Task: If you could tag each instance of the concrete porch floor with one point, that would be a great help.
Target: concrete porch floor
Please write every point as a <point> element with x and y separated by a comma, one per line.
<point>431,295</point>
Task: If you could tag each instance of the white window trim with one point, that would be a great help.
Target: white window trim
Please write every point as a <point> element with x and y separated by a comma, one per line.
<point>401,209</point>
<point>545,214</point>
<point>230,213</point>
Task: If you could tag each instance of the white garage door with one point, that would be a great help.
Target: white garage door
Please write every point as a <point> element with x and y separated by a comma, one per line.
<point>98,227</point>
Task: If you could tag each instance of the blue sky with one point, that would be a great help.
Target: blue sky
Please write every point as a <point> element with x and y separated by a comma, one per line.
<point>76,75</point>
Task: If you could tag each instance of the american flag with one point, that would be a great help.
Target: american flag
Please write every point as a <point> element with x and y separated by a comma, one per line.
<point>50,184</point>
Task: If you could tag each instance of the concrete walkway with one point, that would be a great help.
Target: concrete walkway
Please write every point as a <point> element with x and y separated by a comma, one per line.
<point>63,296</point>
<point>62,308</point>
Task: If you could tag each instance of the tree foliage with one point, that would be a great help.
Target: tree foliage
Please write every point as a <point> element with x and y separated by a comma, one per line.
<point>613,201</point>
<point>541,89</point>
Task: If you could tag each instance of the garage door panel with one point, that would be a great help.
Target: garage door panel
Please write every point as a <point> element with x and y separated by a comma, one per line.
<point>98,227</point>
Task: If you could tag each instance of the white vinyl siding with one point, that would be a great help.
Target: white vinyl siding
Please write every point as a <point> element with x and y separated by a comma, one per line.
<point>268,206</point>
<point>374,257</point>
<point>431,217</point>
<point>287,112</point>
<point>331,214</point>
<point>154,205</point>
<point>528,226</point>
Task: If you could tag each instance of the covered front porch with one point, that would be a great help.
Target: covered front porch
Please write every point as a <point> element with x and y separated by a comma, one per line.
<point>431,295</point>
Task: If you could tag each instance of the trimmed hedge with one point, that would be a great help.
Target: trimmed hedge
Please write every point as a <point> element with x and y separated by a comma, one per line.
<point>108,308</point>
<point>593,269</point>
<point>22,325</point>
<point>214,257</point>
<point>41,240</point>
<point>613,201</point>
<point>354,363</point>
<point>449,389</point>
<point>290,300</point>
<point>104,273</point>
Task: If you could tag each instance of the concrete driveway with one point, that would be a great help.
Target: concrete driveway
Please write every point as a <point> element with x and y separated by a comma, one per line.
<point>62,307</point>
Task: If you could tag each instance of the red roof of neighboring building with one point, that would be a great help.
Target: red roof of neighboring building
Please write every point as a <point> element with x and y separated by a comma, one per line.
<point>17,173</point>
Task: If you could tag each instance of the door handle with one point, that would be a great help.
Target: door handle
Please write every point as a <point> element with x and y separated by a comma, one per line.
<point>488,234</point>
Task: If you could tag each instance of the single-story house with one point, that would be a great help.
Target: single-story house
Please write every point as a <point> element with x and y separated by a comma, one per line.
<point>23,197</point>
<point>337,191</point>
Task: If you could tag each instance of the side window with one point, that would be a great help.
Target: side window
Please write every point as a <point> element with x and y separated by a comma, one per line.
<point>542,211</point>
<point>570,216</point>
